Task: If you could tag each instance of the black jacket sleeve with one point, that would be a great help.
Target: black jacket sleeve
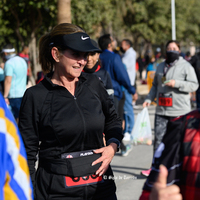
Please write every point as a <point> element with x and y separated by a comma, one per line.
<point>113,124</point>
<point>28,126</point>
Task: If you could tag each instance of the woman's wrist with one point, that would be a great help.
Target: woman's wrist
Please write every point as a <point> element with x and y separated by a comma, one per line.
<point>114,146</point>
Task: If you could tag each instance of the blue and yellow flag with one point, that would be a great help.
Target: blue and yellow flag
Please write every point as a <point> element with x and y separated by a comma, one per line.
<point>15,182</point>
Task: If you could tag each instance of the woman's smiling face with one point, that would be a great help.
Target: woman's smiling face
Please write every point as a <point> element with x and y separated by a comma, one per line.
<point>72,62</point>
<point>92,60</point>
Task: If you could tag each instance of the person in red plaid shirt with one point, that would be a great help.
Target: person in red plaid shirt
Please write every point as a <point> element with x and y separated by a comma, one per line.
<point>179,152</point>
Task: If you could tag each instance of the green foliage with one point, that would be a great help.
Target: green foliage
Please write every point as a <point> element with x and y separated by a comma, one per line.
<point>20,18</point>
<point>90,14</point>
<point>147,20</point>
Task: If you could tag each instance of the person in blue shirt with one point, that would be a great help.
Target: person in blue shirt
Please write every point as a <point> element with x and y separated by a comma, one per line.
<point>151,66</point>
<point>15,71</point>
<point>15,181</point>
<point>112,63</point>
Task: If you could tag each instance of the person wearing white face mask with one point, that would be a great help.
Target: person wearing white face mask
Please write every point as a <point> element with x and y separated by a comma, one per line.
<point>174,79</point>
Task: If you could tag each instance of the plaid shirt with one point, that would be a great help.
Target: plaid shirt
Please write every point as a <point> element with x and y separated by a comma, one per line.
<point>180,153</point>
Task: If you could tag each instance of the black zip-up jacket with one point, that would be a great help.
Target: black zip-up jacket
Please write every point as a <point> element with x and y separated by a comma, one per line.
<point>52,122</point>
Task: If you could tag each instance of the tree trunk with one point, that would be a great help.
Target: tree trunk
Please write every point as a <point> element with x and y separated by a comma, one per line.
<point>64,11</point>
<point>33,55</point>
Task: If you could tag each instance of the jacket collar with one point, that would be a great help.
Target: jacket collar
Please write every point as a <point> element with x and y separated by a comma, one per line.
<point>47,80</point>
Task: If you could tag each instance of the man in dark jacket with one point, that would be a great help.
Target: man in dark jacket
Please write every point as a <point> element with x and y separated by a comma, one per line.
<point>112,63</point>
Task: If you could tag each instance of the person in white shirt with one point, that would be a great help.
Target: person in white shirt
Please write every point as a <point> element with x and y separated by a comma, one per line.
<point>129,60</point>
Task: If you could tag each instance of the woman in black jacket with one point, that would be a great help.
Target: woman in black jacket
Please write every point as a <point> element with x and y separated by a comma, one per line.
<point>63,118</point>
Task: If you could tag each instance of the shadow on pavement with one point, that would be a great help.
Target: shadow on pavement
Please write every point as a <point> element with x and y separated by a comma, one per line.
<point>125,167</point>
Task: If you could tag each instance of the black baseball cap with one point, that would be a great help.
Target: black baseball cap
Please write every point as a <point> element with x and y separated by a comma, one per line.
<point>76,41</point>
<point>96,45</point>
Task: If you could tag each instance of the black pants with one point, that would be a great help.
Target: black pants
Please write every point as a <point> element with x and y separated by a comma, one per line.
<point>114,197</point>
<point>160,129</point>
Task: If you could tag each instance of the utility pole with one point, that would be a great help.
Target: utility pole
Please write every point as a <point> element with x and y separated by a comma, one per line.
<point>173,20</point>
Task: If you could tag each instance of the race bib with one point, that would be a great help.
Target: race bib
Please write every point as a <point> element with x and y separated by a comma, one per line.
<point>165,100</point>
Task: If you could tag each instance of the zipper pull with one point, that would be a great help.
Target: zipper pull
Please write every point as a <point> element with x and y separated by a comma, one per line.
<point>74,98</point>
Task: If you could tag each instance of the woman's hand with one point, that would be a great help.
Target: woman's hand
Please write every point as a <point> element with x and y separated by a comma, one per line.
<point>146,104</point>
<point>170,83</point>
<point>7,101</point>
<point>108,153</point>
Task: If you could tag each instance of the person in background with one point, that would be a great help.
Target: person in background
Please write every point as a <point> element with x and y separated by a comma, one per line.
<point>15,179</point>
<point>25,55</point>
<point>15,70</point>
<point>1,78</point>
<point>158,57</point>
<point>195,62</point>
<point>150,72</point>
<point>188,56</point>
<point>112,63</point>
<point>129,60</point>
<point>179,153</point>
<point>141,66</point>
<point>63,119</point>
<point>151,66</point>
<point>174,79</point>
<point>94,66</point>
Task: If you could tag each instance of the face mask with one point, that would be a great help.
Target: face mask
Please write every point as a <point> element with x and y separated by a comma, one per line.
<point>171,56</point>
<point>7,57</point>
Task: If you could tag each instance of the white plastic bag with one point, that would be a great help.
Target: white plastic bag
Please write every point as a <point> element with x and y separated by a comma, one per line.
<point>141,132</point>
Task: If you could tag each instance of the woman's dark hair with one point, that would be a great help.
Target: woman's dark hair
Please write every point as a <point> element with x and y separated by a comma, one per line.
<point>173,41</point>
<point>45,58</point>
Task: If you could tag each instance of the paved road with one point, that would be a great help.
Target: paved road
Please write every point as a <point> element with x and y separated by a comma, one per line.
<point>127,170</point>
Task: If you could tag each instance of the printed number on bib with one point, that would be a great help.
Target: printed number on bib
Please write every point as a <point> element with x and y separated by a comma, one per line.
<point>165,100</point>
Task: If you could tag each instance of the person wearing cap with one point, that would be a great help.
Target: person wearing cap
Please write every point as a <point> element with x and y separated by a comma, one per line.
<point>94,66</point>
<point>15,69</point>
<point>63,118</point>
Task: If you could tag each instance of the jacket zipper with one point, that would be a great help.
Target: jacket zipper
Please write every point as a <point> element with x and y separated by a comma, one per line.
<point>84,125</point>
<point>82,145</point>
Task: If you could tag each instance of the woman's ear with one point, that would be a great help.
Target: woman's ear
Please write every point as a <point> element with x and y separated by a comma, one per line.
<point>55,54</point>
<point>98,54</point>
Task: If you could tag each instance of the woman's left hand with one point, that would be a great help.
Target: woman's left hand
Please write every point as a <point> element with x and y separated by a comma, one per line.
<point>171,83</point>
<point>108,153</point>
